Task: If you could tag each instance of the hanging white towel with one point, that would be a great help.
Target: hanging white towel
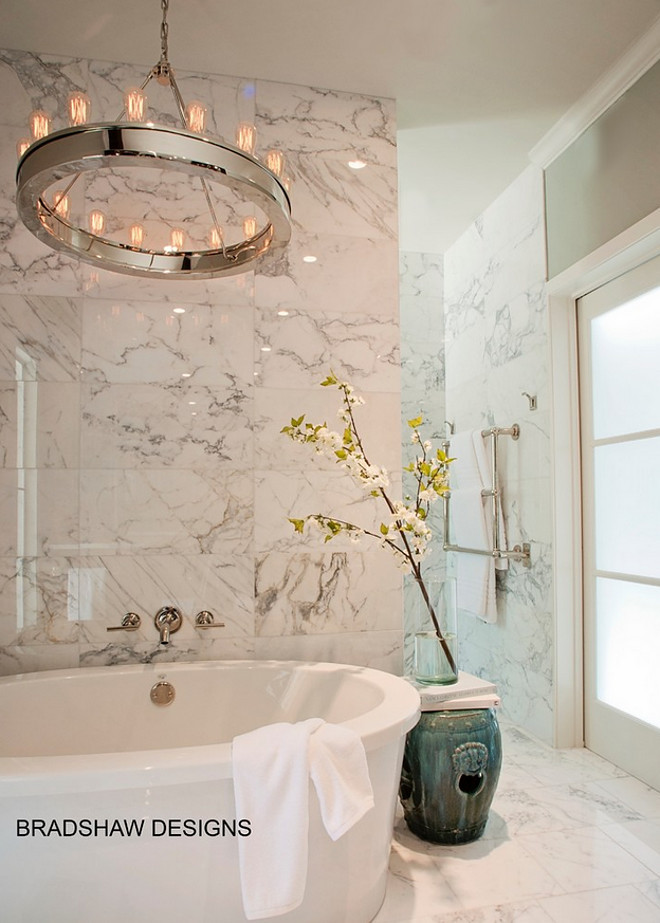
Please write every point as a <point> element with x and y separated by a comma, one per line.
<point>475,574</point>
<point>485,466</point>
<point>471,525</point>
<point>339,771</point>
<point>271,768</point>
<point>465,470</point>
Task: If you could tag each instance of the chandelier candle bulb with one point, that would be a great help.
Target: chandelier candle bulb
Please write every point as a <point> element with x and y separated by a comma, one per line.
<point>215,239</point>
<point>249,227</point>
<point>62,204</point>
<point>21,146</point>
<point>176,238</point>
<point>246,137</point>
<point>137,235</point>
<point>39,124</point>
<point>79,106</point>
<point>275,162</point>
<point>135,103</point>
<point>97,222</point>
<point>196,113</point>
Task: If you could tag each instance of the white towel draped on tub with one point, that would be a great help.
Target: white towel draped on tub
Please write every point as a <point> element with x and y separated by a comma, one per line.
<point>471,521</point>
<point>271,768</point>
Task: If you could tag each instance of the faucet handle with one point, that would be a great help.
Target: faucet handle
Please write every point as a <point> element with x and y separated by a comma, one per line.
<point>130,622</point>
<point>206,619</point>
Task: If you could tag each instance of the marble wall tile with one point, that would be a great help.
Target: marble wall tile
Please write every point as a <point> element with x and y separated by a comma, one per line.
<point>8,512</point>
<point>144,342</point>
<point>179,425</point>
<point>118,654</point>
<point>292,352</point>
<point>378,649</point>
<point>497,348</point>
<point>232,291</point>
<point>26,265</point>
<point>322,593</point>
<point>376,420</point>
<point>162,511</point>
<point>39,81</point>
<point>329,195</point>
<point>39,602</point>
<point>43,334</point>
<point>52,502</point>
<point>58,424</point>
<point>326,123</point>
<point>330,493</point>
<point>351,274</point>
<point>110,586</point>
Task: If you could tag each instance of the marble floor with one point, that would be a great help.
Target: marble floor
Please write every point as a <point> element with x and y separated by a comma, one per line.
<point>570,839</point>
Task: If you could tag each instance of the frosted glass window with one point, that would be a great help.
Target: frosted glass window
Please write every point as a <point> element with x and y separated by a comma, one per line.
<point>627,492</point>
<point>628,641</point>
<point>626,367</point>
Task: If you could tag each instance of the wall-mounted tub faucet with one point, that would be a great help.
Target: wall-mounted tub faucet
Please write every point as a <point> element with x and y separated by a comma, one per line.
<point>167,620</point>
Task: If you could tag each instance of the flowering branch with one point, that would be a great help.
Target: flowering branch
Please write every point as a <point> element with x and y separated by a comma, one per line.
<point>405,532</point>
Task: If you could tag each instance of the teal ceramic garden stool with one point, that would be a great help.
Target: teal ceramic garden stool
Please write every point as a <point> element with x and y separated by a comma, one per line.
<point>451,766</point>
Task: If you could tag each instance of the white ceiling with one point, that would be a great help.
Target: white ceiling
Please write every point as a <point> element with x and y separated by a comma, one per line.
<point>477,82</point>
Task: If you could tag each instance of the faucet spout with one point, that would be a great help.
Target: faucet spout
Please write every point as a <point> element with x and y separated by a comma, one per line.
<point>167,620</point>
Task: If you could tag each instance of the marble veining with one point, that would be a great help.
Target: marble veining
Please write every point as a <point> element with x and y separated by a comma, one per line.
<point>362,349</point>
<point>326,123</point>
<point>317,593</point>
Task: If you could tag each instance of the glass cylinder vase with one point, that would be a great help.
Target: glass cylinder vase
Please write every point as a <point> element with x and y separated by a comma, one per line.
<point>436,654</point>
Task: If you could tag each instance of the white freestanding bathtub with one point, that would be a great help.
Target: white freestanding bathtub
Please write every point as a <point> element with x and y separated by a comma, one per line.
<point>114,808</point>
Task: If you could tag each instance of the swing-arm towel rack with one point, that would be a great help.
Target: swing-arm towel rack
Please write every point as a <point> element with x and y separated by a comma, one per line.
<point>518,552</point>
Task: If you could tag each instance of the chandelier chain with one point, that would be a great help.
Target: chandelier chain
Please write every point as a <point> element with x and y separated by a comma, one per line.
<point>164,29</point>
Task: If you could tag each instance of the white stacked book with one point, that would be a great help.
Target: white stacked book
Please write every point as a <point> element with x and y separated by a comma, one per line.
<point>468,692</point>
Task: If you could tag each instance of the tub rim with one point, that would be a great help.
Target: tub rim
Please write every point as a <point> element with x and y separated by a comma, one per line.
<point>388,721</point>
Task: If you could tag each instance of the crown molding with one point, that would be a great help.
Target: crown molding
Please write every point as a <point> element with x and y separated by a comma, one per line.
<point>639,58</point>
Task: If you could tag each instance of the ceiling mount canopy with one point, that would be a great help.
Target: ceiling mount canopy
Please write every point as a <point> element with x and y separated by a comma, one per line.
<point>183,204</point>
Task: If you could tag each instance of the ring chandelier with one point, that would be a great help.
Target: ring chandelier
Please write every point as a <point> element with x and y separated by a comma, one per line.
<point>63,176</point>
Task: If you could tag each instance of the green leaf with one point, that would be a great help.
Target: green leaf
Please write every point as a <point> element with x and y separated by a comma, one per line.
<point>384,529</point>
<point>297,422</point>
<point>417,421</point>
<point>298,525</point>
<point>330,380</point>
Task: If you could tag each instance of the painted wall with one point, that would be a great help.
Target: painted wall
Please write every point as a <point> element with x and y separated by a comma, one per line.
<point>607,179</point>
<point>497,348</point>
<point>117,492</point>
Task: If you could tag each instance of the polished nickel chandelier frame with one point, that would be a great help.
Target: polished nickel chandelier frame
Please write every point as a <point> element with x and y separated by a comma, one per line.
<point>68,154</point>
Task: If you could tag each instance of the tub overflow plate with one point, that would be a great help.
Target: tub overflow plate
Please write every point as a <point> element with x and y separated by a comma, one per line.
<point>162,693</point>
